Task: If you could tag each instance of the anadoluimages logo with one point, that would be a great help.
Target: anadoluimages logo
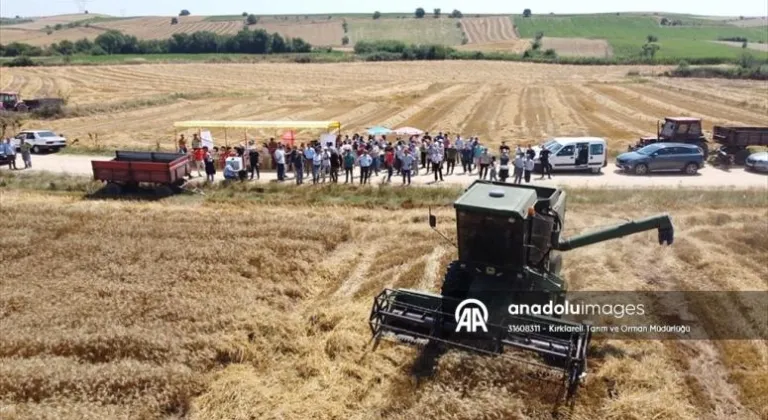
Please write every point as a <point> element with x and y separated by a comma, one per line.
<point>471,317</point>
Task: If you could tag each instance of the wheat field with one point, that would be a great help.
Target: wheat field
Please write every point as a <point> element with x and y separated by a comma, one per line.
<point>129,106</point>
<point>235,307</point>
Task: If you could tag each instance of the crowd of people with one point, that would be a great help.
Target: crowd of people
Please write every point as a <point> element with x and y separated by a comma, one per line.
<point>369,157</point>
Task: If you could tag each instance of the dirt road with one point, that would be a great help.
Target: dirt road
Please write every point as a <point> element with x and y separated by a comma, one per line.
<point>708,177</point>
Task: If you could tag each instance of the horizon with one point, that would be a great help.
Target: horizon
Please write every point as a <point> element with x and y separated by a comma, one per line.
<point>41,8</point>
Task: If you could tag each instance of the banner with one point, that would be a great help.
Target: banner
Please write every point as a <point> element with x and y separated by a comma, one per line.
<point>328,140</point>
<point>206,139</point>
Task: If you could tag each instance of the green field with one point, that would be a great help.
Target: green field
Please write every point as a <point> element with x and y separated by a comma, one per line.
<point>418,31</point>
<point>627,34</point>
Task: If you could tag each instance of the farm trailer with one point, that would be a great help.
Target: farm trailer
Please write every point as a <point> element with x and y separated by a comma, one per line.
<point>735,140</point>
<point>167,171</point>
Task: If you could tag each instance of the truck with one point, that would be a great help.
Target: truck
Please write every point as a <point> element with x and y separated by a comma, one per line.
<point>734,141</point>
<point>167,171</point>
<point>11,101</point>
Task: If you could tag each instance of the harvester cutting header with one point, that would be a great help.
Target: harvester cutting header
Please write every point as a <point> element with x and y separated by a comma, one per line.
<point>508,239</point>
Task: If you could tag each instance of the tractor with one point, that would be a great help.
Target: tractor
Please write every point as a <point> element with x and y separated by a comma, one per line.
<point>509,252</point>
<point>11,101</point>
<point>676,130</point>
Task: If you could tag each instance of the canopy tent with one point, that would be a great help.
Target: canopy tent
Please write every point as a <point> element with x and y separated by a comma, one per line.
<point>408,131</point>
<point>378,131</point>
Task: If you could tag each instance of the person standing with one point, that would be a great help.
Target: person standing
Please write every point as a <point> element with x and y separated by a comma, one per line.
<point>530,152</point>
<point>466,158</point>
<point>317,166</point>
<point>437,163</point>
<point>182,145</point>
<point>26,153</point>
<point>349,165</point>
<point>504,166</point>
<point>484,160</point>
<point>335,165</point>
<point>365,167</point>
<point>450,159</point>
<point>389,162</point>
<point>280,161</point>
<point>519,168</point>
<point>297,159</point>
<point>326,164</point>
<point>253,161</point>
<point>10,150</point>
<point>309,156</point>
<point>199,157</point>
<point>546,167</point>
<point>408,161</point>
<point>210,167</point>
<point>477,151</point>
<point>493,169</point>
<point>529,165</point>
<point>376,157</point>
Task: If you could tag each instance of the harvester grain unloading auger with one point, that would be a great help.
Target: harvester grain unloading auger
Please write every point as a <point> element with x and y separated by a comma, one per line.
<point>506,235</point>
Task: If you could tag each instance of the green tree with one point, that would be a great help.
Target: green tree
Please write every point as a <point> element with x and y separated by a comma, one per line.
<point>652,38</point>
<point>245,14</point>
<point>420,13</point>
<point>650,49</point>
<point>344,25</point>
<point>456,14</point>
<point>527,13</point>
<point>345,40</point>
<point>376,15</point>
<point>436,13</point>
<point>111,41</point>
<point>252,20</point>
<point>184,12</point>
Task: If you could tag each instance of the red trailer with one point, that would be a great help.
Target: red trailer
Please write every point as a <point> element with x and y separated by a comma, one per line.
<point>129,169</point>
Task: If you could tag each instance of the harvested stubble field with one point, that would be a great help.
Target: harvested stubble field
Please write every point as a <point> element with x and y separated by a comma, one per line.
<point>253,303</point>
<point>516,102</point>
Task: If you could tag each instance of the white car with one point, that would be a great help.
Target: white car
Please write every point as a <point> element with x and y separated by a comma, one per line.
<point>757,162</point>
<point>41,140</point>
<point>575,153</point>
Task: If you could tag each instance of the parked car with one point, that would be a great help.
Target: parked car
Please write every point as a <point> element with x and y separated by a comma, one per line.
<point>575,153</point>
<point>41,140</point>
<point>662,157</point>
<point>757,162</point>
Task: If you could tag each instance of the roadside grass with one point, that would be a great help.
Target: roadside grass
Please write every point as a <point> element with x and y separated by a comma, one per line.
<point>627,34</point>
<point>395,197</point>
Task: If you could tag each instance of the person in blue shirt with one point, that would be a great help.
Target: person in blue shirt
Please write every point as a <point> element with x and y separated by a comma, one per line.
<point>229,171</point>
<point>408,160</point>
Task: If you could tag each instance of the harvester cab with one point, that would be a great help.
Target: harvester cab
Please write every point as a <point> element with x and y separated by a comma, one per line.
<point>509,240</point>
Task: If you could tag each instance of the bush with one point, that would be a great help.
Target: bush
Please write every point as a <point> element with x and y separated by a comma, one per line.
<point>184,12</point>
<point>345,40</point>
<point>174,20</point>
<point>22,61</point>
<point>382,56</point>
<point>344,26</point>
<point>456,14</point>
<point>420,13</point>
<point>733,39</point>
<point>252,20</point>
<point>245,14</point>
<point>376,15</point>
<point>367,47</point>
<point>526,13</point>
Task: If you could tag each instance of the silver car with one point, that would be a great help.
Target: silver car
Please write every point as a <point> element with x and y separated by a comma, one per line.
<point>757,162</point>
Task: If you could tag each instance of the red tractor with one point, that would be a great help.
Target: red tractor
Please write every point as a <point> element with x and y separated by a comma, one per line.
<point>11,101</point>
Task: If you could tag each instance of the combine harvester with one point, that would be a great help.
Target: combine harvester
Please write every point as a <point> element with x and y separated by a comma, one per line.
<point>506,238</point>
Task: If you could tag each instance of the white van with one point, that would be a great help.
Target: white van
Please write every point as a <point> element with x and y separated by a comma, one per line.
<point>575,153</point>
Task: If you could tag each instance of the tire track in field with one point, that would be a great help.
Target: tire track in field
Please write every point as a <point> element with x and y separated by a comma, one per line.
<point>428,118</point>
<point>520,122</point>
<point>736,96</point>
<point>539,116</point>
<point>484,120</point>
<point>659,108</point>
<point>738,115</point>
<point>508,28</point>
<point>567,122</point>
<point>455,119</point>
<point>438,92</point>
<point>628,116</point>
<point>596,121</point>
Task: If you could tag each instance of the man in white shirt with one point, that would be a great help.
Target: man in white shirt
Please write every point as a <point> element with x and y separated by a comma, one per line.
<point>317,162</point>
<point>530,163</point>
<point>519,168</point>
<point>280,161</point>
<point>365,167</point>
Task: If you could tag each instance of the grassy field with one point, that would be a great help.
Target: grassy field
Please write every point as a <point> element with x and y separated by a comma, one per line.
<point>124,309</point>
<point>627,34</point>
<point>424,31</point>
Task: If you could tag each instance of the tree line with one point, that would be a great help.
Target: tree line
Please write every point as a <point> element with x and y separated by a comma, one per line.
<point>115,42</point>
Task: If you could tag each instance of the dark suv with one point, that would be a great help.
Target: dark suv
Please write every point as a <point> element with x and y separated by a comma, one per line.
<point>662,157</point>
